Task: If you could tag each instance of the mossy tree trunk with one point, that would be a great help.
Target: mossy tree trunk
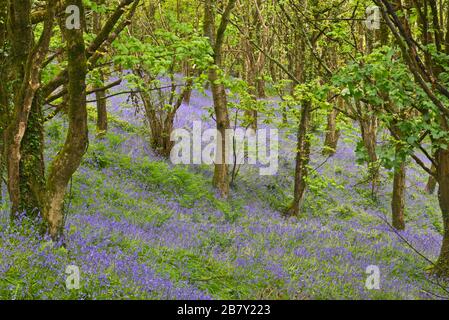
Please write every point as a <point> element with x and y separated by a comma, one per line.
<point>21,99</point>
<point>26,63</point>
<point>100,95</point>
<point>32,167</point>
<point>4,100</point>
<point>302,161</point>
<point>431,182</point>
<point>189,72</point>
<point>216,38</point>
<point>102,112</point>
<point>254,60</point>
<point>250,73</point>
<point>332,133</point>
<point>368,125</point>
<point>398,199</point>
<point>302,73</point>
<point>442,265</point>
<point>69,158</point>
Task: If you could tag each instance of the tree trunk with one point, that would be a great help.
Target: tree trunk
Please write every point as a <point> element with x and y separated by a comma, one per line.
<point>442,265</point>
<point>284,115</point>
<point>251,114</point>
<point>398,200</point>
<point>100,96</point>
<point>32,168</point>
<point>431,183</point>
<point>188,72</point>
<point>26,63</point>
<point>261,88</point>
<point>221,178</point>
<point>250,75</point>
<point>69,158</point>
<point>302,161</point>
<point>332,134</point>
<point>369,135</point>
<point>20,22</point>
<point>102,113</point>
<point>4,101</point>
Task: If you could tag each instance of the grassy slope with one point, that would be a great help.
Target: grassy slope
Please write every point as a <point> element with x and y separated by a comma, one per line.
<point>140,228</point>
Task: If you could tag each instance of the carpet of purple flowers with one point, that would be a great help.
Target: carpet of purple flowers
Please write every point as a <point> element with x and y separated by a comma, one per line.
<point>140,228</point>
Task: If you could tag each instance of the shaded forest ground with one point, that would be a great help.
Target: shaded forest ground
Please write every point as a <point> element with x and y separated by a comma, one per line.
<point>140,228</point>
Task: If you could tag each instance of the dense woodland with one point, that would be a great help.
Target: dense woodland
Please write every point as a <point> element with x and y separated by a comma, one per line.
<point>91,91</point>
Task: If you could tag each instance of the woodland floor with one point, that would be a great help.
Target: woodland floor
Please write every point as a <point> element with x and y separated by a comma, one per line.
<point>140,228</point>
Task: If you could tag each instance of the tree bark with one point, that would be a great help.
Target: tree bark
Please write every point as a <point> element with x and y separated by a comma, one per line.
<point>302,161</point>
<point>260,84</point>
<point>442,265</point>
<point>250,72</point>
<point>102,113</point>
<point>4,101</point>
<point>27,64</point>
<point>254,61</point>
<point>369,136</point>
<point>332,134</point>
<point>69,158</point>
<point>32,167</point>
<point>189,73</point>
<point>20,21</point>
<point>398,199</point>
<point>100,96</point>
<point>431,182</point>
<point>221,178</point>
